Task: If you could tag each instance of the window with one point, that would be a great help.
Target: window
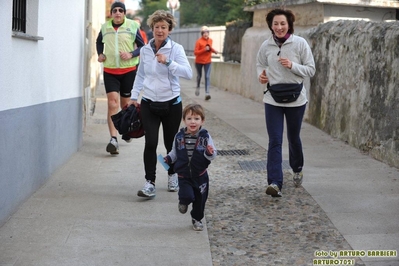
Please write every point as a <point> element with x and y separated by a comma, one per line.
<point>25,19</point>
<point>19,16</point>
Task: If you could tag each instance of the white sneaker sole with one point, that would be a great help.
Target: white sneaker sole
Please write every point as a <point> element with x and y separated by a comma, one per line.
<point>142,194</point>
<point>173,189</point>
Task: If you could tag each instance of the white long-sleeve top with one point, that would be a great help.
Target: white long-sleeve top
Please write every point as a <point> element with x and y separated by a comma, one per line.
<point>296,49</point>
<point>158,81</point>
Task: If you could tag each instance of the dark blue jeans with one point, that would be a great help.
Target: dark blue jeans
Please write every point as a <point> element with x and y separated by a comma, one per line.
<point>275,127</point>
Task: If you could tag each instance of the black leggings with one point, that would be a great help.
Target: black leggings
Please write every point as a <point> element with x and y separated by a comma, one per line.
<point>151,123</point>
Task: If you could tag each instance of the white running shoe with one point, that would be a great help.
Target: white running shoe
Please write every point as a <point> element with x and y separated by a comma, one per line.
<point>297,178</point>
<point>173,183</point>
<point>273,191</point>
<point>197,225</point>
<point>147,191</point>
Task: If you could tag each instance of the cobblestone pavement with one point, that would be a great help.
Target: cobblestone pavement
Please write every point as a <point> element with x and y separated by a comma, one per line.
<point>248,227</point>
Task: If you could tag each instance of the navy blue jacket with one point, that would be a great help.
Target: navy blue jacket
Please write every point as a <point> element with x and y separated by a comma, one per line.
<point>200,159</point>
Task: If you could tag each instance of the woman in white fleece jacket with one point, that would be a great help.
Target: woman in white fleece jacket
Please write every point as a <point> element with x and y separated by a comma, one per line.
<point>162,63</point>
<point>284,59</point>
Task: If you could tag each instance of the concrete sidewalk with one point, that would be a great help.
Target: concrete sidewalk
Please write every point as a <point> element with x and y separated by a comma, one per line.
<point>88,212</point>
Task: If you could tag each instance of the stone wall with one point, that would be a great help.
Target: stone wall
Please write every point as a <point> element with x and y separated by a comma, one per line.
<point>232,39</point>
<point>354,95</point>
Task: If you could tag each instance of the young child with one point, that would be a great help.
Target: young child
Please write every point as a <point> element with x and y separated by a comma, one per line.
<point>192,152</point>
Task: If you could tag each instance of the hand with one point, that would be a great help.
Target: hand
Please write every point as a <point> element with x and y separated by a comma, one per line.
<point>101,58</point>
<point>263,79</point>
<point>209,149</point>
<point>161,58</point>
<point>135,103</point>
<point>207,47</point>
<point>285,62</point>
<point>125,55</point>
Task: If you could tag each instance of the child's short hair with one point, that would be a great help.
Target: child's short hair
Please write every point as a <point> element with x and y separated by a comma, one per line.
<point>195,109</point>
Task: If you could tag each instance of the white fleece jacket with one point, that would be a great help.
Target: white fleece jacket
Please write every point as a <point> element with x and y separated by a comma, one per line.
<point>159,82</point>
<point>297,50</point>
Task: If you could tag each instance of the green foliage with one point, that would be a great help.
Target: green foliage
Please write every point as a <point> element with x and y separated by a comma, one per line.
<point>205,12</point>
<point>212,12</point>
<point>236,11</point>
<point>199,12</point>
<point>150,6</point>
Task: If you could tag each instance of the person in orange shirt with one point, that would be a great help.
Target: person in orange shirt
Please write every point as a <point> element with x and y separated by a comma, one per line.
<point>142,32</point>
<point>203,57</point>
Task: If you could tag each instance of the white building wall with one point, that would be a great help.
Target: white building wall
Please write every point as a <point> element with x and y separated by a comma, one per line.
<point>41,88</point>
<point>35,72</point>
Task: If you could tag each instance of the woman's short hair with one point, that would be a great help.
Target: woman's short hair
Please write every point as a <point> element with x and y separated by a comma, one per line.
<point>285,12</point>
<point>161,15</point>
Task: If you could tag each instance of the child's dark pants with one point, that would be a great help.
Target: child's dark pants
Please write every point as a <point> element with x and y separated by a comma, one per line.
<point>195,191</point>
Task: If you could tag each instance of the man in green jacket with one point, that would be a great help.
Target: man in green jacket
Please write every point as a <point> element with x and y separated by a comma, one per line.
<point>118,47</point>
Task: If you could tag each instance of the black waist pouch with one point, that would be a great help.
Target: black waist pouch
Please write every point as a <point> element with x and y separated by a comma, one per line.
<point>285,92</point>
<point>160,108</point>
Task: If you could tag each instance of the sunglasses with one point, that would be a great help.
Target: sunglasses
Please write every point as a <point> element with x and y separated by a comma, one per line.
<point>120,10</point>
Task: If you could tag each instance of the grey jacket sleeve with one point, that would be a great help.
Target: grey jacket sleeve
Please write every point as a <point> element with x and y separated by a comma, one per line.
<point>210,142</point>
<point>261,59</point>
<point>172,154</point>
<point>307,67</point>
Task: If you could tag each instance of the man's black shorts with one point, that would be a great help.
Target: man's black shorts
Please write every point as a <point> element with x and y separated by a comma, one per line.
<point>120,83</point>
